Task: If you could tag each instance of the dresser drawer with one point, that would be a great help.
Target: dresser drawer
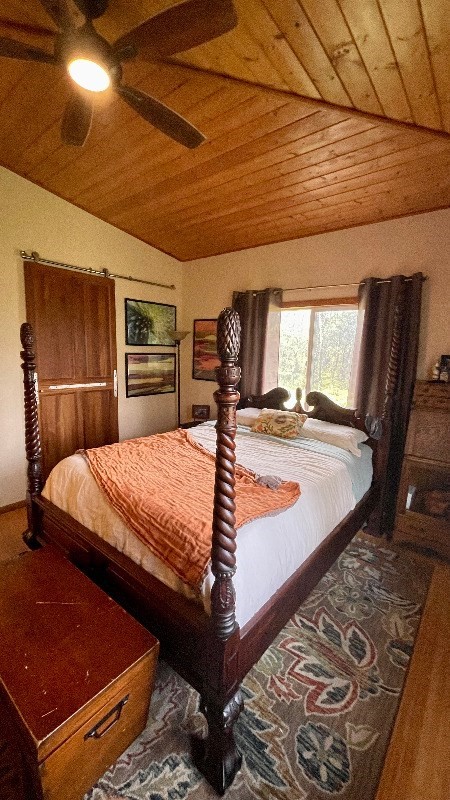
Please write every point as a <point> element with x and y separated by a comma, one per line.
<point>68,772</point>
<point>429,435</point>
<point>422,531</point>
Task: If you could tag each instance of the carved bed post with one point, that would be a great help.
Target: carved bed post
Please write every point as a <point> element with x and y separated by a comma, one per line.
<point>221,700</point>
<point>32,438</point>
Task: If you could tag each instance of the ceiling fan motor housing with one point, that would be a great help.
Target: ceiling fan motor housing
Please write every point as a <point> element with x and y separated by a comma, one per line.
<point>92,9</point>
<point>86,43</point>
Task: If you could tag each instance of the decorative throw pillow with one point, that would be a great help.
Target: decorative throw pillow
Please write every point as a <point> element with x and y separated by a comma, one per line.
<point>340,435</point>
<point>285,424</point>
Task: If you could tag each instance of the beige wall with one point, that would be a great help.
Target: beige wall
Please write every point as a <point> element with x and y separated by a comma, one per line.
<point>33,219</point>
<point>411,244</point>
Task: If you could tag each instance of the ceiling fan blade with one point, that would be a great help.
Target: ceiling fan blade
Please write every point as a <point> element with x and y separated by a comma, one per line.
<point>161,117</point>
<point>10,48</point>
<point>179,28</point>
<point>59,12</point>
<point>76,121</point>
<point>23,27</point>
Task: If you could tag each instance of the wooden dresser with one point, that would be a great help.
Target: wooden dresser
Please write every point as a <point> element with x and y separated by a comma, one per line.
<point>76,675</point>
<point>423,507</point>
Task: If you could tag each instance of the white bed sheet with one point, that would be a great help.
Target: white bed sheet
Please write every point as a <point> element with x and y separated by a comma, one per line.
<point>269,549</point>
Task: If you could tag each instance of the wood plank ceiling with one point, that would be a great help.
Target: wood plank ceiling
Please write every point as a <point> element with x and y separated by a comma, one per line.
<point>298,105</point>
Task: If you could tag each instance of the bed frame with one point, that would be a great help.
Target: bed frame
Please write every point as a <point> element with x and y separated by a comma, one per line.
<point>211,652</point>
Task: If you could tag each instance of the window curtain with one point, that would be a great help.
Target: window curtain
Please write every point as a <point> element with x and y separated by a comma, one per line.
<point>387,369</point>
<point>253,309</point>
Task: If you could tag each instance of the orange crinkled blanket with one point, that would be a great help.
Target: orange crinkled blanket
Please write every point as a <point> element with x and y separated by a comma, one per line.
<point>163,487</point>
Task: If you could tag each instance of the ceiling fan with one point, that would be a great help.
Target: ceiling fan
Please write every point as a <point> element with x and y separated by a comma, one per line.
<point>95,64</point>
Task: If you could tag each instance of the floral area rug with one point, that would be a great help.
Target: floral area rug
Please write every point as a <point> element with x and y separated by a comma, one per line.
<point>319,705</point>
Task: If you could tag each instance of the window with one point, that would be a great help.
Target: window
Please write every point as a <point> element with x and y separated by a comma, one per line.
<point>318,350</point>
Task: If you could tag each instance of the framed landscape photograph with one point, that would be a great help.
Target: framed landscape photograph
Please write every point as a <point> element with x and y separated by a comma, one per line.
<point>149,323</point>
<point>149,373</point>
<point>205,358</point>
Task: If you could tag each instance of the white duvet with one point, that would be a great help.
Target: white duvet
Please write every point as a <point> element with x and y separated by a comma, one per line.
<point>269,550</point>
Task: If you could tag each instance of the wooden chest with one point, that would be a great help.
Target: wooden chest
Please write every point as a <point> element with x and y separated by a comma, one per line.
<point>76,679</point>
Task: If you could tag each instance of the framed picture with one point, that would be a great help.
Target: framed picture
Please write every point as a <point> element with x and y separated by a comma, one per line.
<point>149,323</point>
<point>200,413</point>
<point>205,358</point>
<point>149,373</point>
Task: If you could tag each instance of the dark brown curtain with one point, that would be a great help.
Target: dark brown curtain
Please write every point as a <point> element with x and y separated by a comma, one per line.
<point>253,310</point>
<point>388,361</point>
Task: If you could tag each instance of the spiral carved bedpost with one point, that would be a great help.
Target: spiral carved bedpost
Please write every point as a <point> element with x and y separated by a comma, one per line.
<point>221,700</point>
<point>32,437</point>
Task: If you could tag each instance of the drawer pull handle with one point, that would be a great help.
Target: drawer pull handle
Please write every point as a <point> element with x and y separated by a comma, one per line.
<point>98,730</point>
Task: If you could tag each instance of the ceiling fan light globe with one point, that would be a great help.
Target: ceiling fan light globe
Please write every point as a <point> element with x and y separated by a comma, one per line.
<point>89,75</point>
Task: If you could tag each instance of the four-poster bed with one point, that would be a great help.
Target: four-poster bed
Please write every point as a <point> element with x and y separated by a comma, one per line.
<point>209,650</point>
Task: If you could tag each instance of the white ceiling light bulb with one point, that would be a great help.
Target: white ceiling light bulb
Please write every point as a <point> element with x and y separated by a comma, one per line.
<point>89,74</point>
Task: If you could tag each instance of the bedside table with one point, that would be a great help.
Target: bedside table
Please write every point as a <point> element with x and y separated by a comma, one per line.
<point>76,676</point>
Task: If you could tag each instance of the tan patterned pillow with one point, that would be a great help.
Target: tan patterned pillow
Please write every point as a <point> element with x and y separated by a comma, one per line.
<point>284,424</point>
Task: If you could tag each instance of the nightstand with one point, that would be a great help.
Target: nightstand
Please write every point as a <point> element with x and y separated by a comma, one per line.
<point>76,676</point>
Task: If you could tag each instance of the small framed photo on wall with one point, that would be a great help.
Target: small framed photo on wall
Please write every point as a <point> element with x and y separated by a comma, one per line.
<point>200,413</point>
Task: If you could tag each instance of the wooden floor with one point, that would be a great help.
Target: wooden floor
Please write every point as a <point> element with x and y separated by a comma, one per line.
<point>12,525</point>
<point>418,757</point>
<point>417,764</point>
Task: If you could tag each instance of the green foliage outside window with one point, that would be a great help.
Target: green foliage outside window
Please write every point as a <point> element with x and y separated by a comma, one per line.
<point>333,332</point>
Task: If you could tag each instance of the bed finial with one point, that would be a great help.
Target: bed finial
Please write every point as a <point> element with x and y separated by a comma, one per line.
<point>224,533</point>
<point>221,700</point>
<point>32,437</point>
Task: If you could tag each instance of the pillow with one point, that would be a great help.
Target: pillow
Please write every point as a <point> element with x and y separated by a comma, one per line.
<point>340,435</point>
<point>285,424</point>
<point>247,416</point>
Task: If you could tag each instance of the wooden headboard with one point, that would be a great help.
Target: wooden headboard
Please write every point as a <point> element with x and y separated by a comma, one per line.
<point>322,407</point>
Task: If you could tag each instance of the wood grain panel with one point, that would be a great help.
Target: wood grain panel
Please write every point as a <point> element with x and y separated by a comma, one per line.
<point>275,165</point>
<point>420,739</point>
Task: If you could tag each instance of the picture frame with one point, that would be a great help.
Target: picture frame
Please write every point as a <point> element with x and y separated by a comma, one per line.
<point>205,358</point>
<point>445,362</point>
<point>149,324</point>
<point>200,413</point>
<point>149,373</point>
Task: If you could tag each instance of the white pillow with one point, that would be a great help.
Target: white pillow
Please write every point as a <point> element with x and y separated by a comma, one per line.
<point>340,435</point>
<point>247,416</point>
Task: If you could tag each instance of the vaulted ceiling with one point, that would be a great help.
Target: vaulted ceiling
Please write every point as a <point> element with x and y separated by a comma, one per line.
<point>318,116</point>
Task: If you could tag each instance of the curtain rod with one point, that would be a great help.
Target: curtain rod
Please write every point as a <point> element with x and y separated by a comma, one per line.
<point>342,285</point>
<point>103,272</point>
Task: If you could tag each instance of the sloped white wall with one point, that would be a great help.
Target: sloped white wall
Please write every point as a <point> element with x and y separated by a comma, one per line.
<point>33,219</point>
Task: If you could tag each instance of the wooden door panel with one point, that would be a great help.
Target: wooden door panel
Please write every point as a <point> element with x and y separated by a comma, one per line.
<point>102,332</point>
<point>73,316</point>
<point>96,408</point>
<point>60,421</point>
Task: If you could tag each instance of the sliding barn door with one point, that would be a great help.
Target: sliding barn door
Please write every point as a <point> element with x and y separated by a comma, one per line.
<point>73,316</point>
